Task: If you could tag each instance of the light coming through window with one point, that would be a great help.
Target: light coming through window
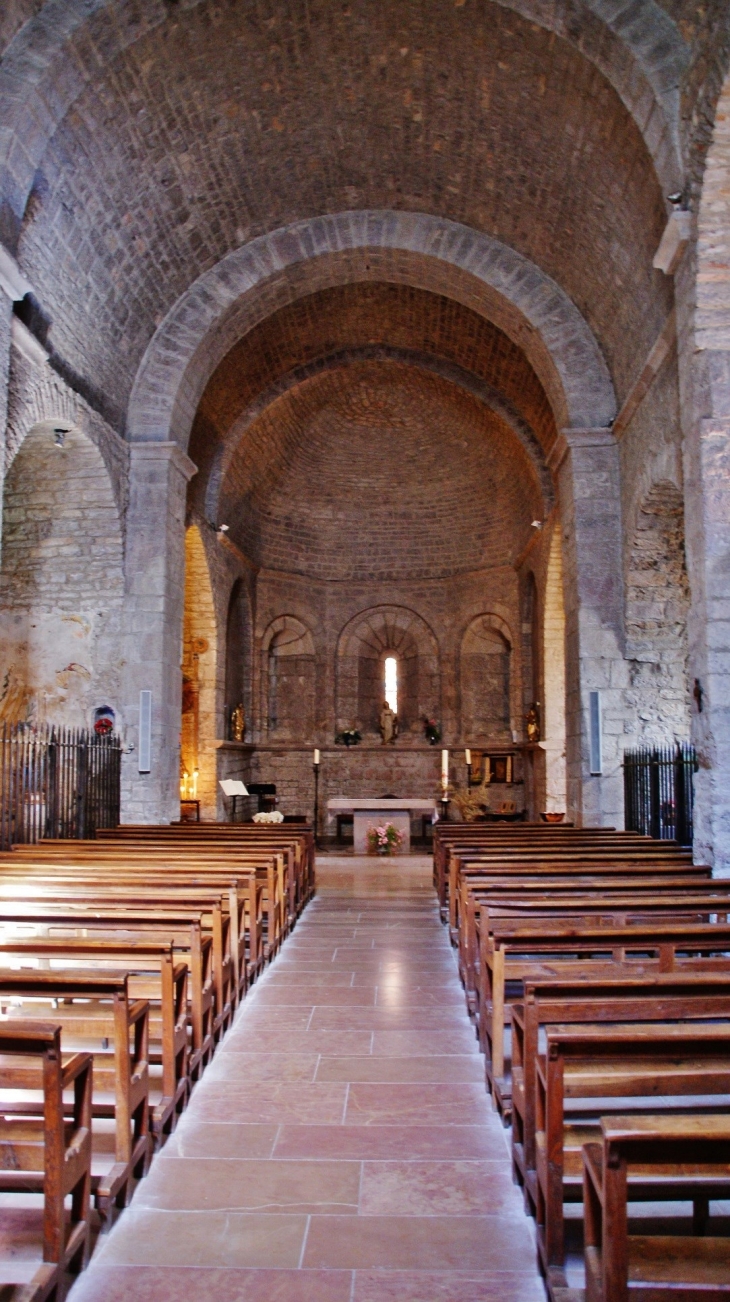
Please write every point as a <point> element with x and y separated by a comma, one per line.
<point>391,683</point>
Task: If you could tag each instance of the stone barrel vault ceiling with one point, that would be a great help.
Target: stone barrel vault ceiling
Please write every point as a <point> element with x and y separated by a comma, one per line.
<point>223,121</point>
<point>379,471</point>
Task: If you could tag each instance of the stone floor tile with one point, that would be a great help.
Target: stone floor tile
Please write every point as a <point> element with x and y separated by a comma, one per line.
<point>417,1105</point>
<point>144,1236</point>
<point>247,1068</point>
<point>414,1142</point>
<point>229,1100</point>
<point>443,1067</point>
<point>171,1284</point>
<point>209,1184</point>
<point>419,1242</point>
<point>195,1138</point>
<point>446,1286</point>
<point>446,1188</point>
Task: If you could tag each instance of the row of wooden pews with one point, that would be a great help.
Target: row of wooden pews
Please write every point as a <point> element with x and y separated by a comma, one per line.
<point>596,968</point>
<point>122,962</point>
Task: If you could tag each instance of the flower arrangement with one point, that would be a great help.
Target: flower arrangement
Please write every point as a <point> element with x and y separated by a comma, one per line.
<point>348,737</point>
<point>273,816</point>
<point>431,731</point>
<point>470,804</point>
<point>384,839</point>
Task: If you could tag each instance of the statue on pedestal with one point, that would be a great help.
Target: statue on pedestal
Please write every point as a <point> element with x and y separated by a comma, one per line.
<point>532,721</point>
<point>388,724</point>
<point>238,723</point>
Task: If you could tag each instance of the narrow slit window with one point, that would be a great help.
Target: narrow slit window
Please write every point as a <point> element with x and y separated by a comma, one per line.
<point>391,683</point>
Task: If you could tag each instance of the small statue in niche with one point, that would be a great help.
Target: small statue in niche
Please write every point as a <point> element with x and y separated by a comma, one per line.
<point>238,722</point>
<point>532,722</point>
<point>388,724</point>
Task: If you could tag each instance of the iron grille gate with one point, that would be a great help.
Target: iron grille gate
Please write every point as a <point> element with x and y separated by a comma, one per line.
<point>57,782</point>
<point>658,792</point>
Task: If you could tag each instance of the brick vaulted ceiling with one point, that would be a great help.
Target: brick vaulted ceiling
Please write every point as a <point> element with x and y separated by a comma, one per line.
<point>230,118</point>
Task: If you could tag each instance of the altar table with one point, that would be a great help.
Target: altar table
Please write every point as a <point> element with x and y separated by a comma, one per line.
<point>368,811</point>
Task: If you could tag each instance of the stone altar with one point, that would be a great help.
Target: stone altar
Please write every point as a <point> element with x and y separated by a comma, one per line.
<point>367,811</point>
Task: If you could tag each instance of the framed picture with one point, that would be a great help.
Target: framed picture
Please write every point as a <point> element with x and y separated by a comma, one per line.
<point>491,768</point>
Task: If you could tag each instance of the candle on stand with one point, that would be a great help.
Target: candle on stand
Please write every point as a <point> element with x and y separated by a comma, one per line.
<point>444,769</point>
<point>467,756</point>
<point>195,784</point>
<point>316,757</point>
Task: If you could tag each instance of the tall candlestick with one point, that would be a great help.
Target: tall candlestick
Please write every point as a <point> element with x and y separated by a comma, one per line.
<point>316,757</point>
<point>195,784</point>
<point>444,764</point>
<point>467,756</point>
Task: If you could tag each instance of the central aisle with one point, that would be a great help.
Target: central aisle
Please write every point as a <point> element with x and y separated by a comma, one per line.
<point>341,1147</point>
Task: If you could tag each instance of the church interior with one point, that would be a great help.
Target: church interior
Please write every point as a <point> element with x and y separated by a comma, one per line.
<point>364,599</point>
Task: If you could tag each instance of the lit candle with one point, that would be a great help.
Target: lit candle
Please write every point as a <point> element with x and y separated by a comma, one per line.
<point>467,756</point>
<point>444,769</point>
<point>316,757</point>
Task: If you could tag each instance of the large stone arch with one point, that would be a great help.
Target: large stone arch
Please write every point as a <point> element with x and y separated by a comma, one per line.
<point>414,248</point>
<point>68,42</point>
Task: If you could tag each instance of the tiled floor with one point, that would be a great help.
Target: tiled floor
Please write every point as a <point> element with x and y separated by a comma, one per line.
<point>341,1147</point>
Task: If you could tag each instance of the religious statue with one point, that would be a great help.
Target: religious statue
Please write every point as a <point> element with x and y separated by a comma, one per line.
<point>532,721</point>
<point>388,724</point>
<point>238,722</point>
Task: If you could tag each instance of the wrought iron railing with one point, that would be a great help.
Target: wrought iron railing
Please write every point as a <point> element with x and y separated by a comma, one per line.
<point>58,782</point>
<point>658,792</point>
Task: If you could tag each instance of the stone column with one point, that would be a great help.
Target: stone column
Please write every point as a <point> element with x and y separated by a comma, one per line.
<point>154,602</point>
<point>590,513</point>
<point>707,495</point>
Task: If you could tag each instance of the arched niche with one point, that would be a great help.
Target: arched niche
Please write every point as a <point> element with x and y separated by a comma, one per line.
<point>486,680</point>
<point>364,644</point>
<point>200,671</point>
<point>288,677</point>
<point>61,581</point>
<point>657,610</point>
<point>237,687</point>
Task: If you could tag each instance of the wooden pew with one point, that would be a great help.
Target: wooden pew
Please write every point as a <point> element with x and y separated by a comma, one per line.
<point>515,953</point>
<point>58,920</point>
<point>622,1062</point>
<point>116,1031</point>
<point>48,1155</point>
<point>155,975</point>
<point>619,1264</point>
<point>611,906</point>
<point>255,894</point>
<point>657,998</point>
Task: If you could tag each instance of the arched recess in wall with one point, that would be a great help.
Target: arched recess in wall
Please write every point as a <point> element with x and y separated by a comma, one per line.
<point>485,675</point>
<point>61,581</point>
<point>553,659</point>
<point>364,644</point>
<point>199,669</point>
<point>288,679</point>
<point>238,658</point>
<point>657,609</point>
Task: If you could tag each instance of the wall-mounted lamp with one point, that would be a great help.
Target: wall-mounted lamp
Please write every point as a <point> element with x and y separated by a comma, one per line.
<point>222,530</point>
<point>59,437</point>
<point>536,524</point>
